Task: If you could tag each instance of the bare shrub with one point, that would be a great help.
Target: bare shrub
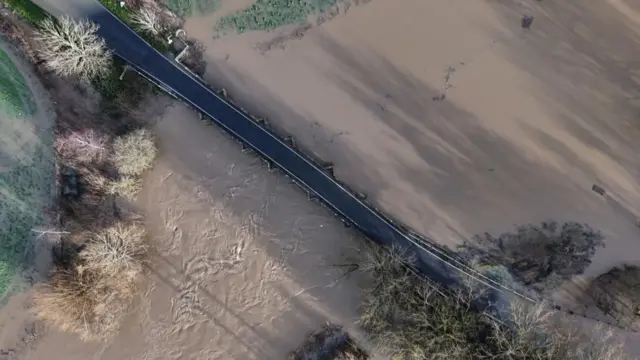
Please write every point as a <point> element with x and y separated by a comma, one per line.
<point>411,319</point>
<point>90,293</point>
<point>523,338</point>
<point>83,146</point>
<point>330,343</point>
<point>128,187</point>
<point>92,210</point>
<point>535,332</point>
<point>147,20</point>
<point>90,207</point>
<point>135,152</point>
<point>78,301</point>
<point>539,256</point>
<point>117,253</point>
<point>91,179</point>
<point>617,294</point>
<point>194,57</point>
<point>72,48</point>
<point>602,345</point>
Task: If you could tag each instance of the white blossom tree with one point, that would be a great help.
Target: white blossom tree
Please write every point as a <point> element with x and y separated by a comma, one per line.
<point>73,48</point>
<point>147,20</point>
<point>85,145</point>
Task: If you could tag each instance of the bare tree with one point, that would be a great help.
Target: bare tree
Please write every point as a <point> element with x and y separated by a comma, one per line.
<point>409,318</point>
<point>91,294</point>
<point>73,48</point>
<point>86,145</point>
<point>147,20</point>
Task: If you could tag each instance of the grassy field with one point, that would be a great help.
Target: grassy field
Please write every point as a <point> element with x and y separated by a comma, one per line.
<point>271,14</point>
<point>22,189</point>
<point>26,175</point>
<point>15,97</point>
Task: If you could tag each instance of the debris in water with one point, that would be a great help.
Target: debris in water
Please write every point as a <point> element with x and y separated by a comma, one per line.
<point>598,189</point>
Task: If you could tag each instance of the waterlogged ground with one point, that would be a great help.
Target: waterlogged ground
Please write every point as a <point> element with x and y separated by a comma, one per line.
<point>450,116</point>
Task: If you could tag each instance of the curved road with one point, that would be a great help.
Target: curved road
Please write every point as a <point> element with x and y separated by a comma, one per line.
<point>129,46</point>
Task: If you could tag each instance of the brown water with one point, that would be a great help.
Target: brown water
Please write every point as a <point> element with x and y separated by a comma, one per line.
<point>531,119</point>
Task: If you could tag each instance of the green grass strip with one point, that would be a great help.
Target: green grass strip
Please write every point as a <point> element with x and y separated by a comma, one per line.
<point>124,13</point>
<point>16,99</point>
<point>29,11</point>
<point>192,7</point>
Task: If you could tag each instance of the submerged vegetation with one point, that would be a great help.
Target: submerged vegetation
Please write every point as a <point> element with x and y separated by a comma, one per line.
<point>410,318</point>
<point>271,14</point>
<point>539,256</point>
<point>192,7</point>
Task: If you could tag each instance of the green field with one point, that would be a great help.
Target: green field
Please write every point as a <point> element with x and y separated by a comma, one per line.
<point>271,14</point>
<point>26,170</point>
<point>24,191</point>
<point>15,97</point>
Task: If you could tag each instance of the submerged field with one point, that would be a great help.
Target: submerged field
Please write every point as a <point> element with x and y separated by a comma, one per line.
<point>450,116</point>
<point>26,162</point>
